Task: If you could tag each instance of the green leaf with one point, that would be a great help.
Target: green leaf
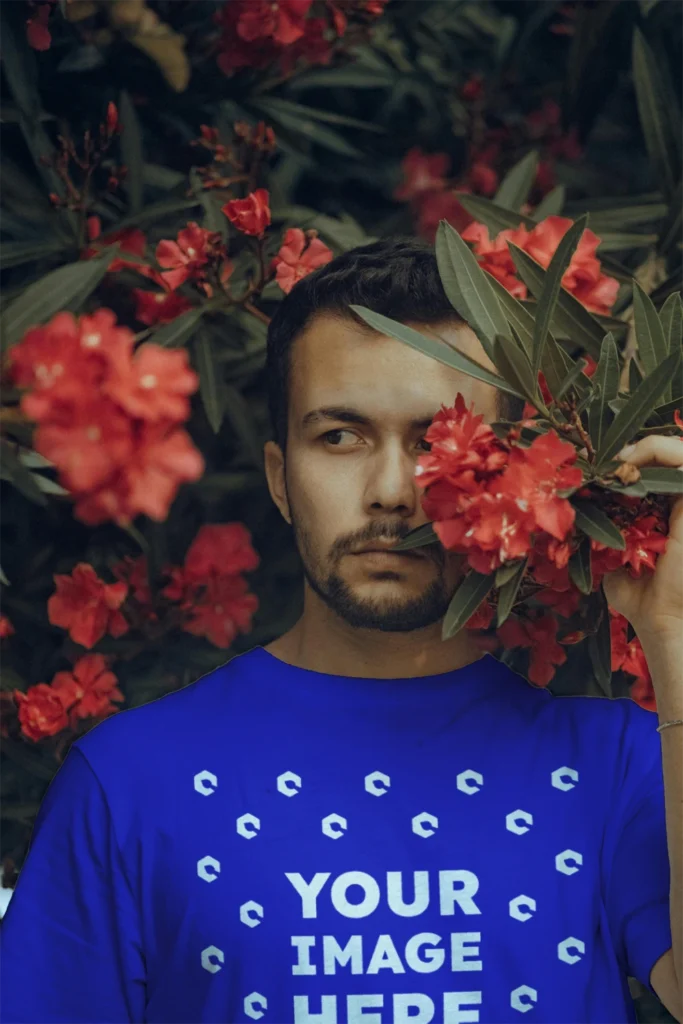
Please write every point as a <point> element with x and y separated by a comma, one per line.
<point>572,377</point>
<point>551,204</point>
<point>570,315</point>
<point>14,254</point>
<point>580,567</point>
<point>670,228</point>
<point>516,368</point>
<point>506,571</point>
<point>637,409</point>
<point>659,112</point>
<point>606,380</point>
<point>515,187</point>
<point>508,593</point>
<point>178,331</point>
<point>551,287</point>
<point>302,111</point>
<point>65,288</point>
<point>309,129</point>
<point>468,288</point>
<point>600,646</point>
<point>596,524</point>
<point>652,344</point>
<point>208,385</point>
<point>671,319</point>
<point>465,602</point>
<point>418,538</point>
<point>131,151</point>
<point>662,479</point>
<point>517,315</point>
<point>23,479</point>
<point>438,350</point>
<point>238,413</point>
<point>495,218</point>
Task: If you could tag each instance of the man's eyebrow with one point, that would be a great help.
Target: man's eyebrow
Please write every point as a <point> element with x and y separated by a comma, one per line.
<point>344,414</point>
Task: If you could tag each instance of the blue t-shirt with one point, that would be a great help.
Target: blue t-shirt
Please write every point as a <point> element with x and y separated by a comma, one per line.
<point>280,845</point>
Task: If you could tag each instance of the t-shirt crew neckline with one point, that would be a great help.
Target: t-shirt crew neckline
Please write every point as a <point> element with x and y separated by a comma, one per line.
<point>370,689</point>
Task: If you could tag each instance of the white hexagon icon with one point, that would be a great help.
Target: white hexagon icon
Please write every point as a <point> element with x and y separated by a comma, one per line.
<point>511,822</point>
<point>247,909</point>
<point>208,868</point>
<point>421,823</point>
<point>562,858</point>
<point>557,778</point>
<point>522,901</point>
<point>464,781</point>
<point>243,824</point>
<point>208,956</point>
<point>329,826</point>
<point>567,944</point>
<point>377,783</point>
<point>289,783</point>
<point>205,783</point>
<point>520,993</point>
<point>252,1004</point>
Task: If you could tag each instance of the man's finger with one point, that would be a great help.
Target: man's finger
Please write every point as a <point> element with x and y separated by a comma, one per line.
<point>656,448</point>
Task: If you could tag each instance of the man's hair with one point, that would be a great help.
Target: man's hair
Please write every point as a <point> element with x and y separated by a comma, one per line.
<point>397,277</point>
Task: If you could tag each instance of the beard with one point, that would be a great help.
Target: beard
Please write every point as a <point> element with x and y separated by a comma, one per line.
<point>388,615</point>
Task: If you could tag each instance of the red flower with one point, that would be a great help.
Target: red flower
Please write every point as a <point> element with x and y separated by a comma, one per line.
<point>281,20</point>
<point>224,608</point>
<point>295,260</point>
<point>37,32</point>
<point>86,606</point>
<point>131,240</point>
<point>41,712</point>
<point>422,172</point>
<point>483,616</point>
<point>220,549</point>
<point>164,457</point>
<point>583,277</point>
<point>678,419</point>
<point>154,385</point>
<point>628,655</point>
<point>250,215</point>
<point>534,477</point>
<point>185,257</point>
<point>6,627</point>
<point>473,87</point>
<point>464,450</point>
<point>134,573</point>
<point>313,47</point>
<point>565,603</point>
<point>86,443</point>
<point>153,308</point>
<point>113,124</point>
<point>87,691</point>
<point>540,636</point>
<point>645,539</point>
<point>482,178</point>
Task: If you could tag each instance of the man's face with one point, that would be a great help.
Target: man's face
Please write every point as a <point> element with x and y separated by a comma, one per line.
<point>360,404</point>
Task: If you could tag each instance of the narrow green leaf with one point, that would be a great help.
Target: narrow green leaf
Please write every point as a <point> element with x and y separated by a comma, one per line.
<point>208,385</point>
<point>639,406</point>
<point>467,287</point>
<point>418,538</point>
<point>600,645</point>
<point>516,368</point>
<point>303,111</point>
<point>517,315</point>
<point>438,350</point>
<point>571,378</point>
<point>65,288</point>
<point>570,315</point>
<point>308,129</point>
<point>618,241</point>
<point>180,330</point>
<point>515,187</point>
<point>596,524</point>
<point>580,567</point>
<point>508,593</point>
<point>551,287</point>
<point>23,479</point>
<point>506,572</point>
<point>671,318</point>
<point>670,228</point>
<point>606,380</point>
<point>14,254</point>
<point>665,412</point>
<point>662,479</point>
<point>131,151</point>
<point>551,204</point>
<point>652,344</point>
<point>238,413</point>
<point>659,113</point>
<point>495,218</point>
<point>465,602</point>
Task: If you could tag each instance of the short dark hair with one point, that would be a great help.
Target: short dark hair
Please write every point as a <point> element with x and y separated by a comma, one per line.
<point>398,277</point>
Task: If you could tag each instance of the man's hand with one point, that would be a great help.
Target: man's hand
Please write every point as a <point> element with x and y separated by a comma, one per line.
<point>653,604</point>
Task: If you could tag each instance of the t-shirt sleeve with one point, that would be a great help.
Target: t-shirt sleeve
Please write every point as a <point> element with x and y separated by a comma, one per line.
<point>637,884</point>
<point>71,948</point>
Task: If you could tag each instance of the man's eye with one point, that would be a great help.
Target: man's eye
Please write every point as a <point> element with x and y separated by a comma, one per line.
<point>331,433</point>
<point>428,444</point>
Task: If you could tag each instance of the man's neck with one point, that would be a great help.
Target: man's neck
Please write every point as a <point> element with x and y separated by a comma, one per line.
<point>329,645</point>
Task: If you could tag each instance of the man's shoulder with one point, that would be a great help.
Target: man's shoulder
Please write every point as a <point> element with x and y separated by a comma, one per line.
<point>171,718</point>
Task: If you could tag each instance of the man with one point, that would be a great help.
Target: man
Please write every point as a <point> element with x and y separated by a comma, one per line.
<point>358,822</point>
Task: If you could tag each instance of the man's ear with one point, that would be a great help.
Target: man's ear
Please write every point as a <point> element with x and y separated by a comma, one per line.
<point>274,463</point>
